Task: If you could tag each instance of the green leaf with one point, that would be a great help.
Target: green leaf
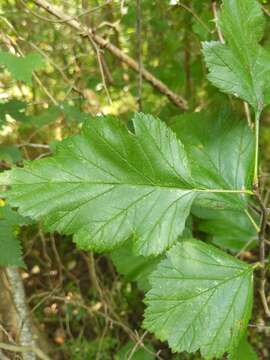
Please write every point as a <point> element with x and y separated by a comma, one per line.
<point>21,68</point>
<point>230,229</point>
<point>10,154</point>
<point>70,113</point>
<point>13,108</point>
<point>12,217</point>
<point>10,247</point>
<point>241,66</point>
<point>73,113</point>
<point>109,184</point>
<point>201,299</point>
<point>244,351</point>
<point>134,267</point>
<point>105,185</point>
<point>220,149</point>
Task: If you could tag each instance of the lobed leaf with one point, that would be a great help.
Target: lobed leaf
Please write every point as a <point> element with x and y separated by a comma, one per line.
<point>109,184</point>
<point>10,247</point>
<point>229,229</point>
<point>134,267</point>
<point>220,149</point>
<point>200,299</point>
<point>241,66</point>
<point>21,68</point>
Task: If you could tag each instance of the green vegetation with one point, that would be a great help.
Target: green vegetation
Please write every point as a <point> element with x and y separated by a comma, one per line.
<point>134,191</point>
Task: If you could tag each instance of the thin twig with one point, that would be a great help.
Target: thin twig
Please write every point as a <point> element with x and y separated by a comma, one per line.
<point>84,31</point>
<point>75,17</point>
<point>24,349</point>
<point>57,258</point>
<point>32,145</point>
<point>137,345</point>
<point>96,48</point>
<point>248,116</point>
<point>240,252</point>
<point>253,222</point>
<point>193,13</point>
<point>100,65</point>
<point>215,13</point>
<point>267,12</point>
<point>139,50</point>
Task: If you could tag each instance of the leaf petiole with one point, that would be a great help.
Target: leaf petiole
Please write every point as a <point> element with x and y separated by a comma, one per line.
<point>257,131</point>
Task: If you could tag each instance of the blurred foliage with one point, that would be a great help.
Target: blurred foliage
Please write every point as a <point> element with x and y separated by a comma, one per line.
<point>51,83</point>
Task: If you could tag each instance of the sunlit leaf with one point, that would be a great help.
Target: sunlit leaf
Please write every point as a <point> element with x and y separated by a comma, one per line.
<point>21,68</point>
<point>241,66</point>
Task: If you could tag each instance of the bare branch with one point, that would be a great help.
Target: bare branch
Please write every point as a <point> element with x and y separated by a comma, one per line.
<point>24,349</point>
<point>85,31</point>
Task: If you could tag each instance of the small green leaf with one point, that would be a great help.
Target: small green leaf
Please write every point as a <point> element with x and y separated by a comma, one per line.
<point>21,68</point>
<point>201,299</point>
<point>13,108</point>
<point>109,184</point>
<point>10,154</point>
<point>10,247</point>
<point>230,229</point>
<point>244,351</point>
<point>70,113</point>
<point>241,66</point>
<point>74,114</point>
<point>12,217</point>
<point>45,117</point>
<point>134,267</point>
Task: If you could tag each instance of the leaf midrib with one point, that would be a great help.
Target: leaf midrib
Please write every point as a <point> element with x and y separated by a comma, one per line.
<point>173,187</point>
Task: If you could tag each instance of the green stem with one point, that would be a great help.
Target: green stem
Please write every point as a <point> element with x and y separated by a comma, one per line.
<point>253,222</point>
<point>228,191</point>
<point>256,165</point>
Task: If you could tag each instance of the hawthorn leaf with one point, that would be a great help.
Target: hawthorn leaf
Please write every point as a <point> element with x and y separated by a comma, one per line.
<point>10,154</point>
<point>109,184</point>
<point>229,229</point>
<point>244,351</point>
<point>134,267</point>
<point>220,149</point>
<point>10,247</point>
<point>138,268</point>
<point>74,114</point>
<point>21,68</point>
<point>200,299</point>
<point>240,66</point>
<point>242,23</point>
<point>13,108</point>
<point>45,117</point>
<point>11,216</point>
<point>69,112</point>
